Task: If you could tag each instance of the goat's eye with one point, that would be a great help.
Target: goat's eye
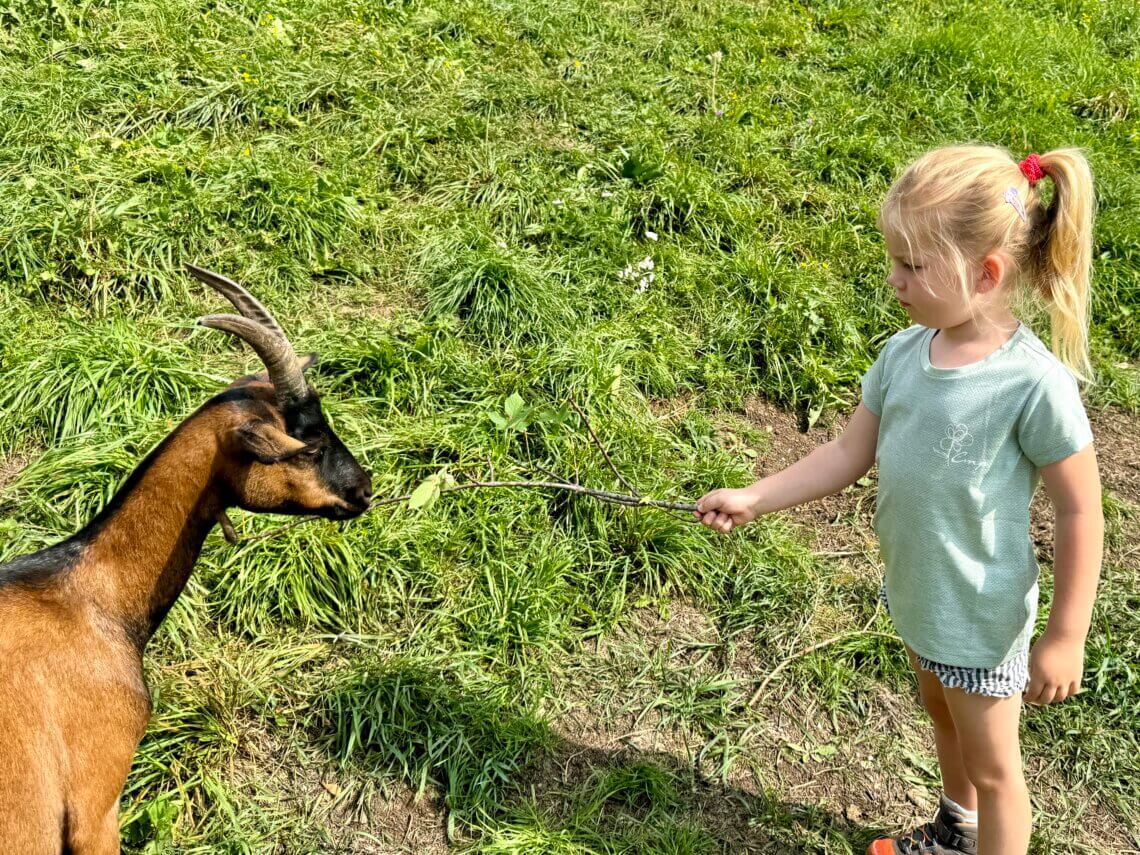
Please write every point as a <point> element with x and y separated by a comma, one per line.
<point>313,452</point>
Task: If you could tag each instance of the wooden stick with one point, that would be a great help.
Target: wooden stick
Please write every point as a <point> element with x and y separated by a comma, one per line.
<point>601,495</point>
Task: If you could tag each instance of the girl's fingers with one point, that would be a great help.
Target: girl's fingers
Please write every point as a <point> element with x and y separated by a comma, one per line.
<point>708,511</point>
<point>1033,691</point>
<point>1041,692</point>
<point>705,503</point>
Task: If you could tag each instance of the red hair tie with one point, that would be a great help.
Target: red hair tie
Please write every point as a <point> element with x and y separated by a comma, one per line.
<point>1031,169</point>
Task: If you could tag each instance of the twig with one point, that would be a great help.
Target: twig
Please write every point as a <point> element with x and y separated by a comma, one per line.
<point>772,674</point>
<point>1129,553</point>
<point>600,495</point>
<point>601,447</point>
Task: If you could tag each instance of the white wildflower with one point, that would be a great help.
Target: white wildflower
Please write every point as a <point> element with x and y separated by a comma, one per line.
<point>651,235</point>
<point>642,272</point>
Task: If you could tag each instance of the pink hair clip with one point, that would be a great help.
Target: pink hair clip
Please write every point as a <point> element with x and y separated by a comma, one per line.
<point>1014,198</point>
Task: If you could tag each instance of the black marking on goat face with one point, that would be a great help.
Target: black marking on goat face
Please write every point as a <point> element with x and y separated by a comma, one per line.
<point>338,470</point>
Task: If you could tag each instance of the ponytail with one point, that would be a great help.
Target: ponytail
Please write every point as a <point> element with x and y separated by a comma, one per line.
<point>1060,256</point>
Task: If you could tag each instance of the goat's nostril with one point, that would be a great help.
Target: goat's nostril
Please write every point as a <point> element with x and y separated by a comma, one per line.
<point>364,491</point>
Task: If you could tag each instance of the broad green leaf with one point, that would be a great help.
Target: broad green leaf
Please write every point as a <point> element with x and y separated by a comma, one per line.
<point>514,405</point>
<point>425,494</point>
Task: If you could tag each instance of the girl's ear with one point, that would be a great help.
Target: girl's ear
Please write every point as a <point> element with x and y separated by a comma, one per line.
<point>993,272</point>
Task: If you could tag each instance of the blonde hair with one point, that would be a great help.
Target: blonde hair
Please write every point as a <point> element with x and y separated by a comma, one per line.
<point>952,202</point>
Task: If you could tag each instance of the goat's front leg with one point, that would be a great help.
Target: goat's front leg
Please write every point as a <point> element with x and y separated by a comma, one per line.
<point>97,835</point>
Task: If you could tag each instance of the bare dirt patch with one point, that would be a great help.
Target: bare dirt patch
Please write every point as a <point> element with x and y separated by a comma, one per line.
<point>11,467</point>
<point>360,816</point>
<point>1117,437</point>
<point>838,523</point>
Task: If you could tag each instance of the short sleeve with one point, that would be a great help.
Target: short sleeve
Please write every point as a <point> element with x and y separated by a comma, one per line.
<point>873,384</point>
<point>1053,424</point>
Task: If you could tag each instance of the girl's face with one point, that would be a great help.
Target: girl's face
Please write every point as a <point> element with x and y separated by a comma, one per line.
<point>927,287</point>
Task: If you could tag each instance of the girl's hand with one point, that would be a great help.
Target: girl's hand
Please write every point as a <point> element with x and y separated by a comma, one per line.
<point>725,509</point>
<point>1055,668</point>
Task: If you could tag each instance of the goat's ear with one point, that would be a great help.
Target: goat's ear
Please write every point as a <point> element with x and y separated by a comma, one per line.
<point>307,361</point>
<point>266,442</point>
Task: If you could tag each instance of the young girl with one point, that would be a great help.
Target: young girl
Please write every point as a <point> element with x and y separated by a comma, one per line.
<point>963,412</point>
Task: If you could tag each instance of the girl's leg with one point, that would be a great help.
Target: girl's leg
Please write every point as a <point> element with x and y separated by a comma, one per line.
<point>955,782</point>
<point>987,731</point>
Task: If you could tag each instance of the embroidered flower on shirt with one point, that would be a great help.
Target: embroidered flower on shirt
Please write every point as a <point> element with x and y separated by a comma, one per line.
<point>952,446</point>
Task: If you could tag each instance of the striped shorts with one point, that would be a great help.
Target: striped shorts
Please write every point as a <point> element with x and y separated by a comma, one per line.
<point>1003,681</point>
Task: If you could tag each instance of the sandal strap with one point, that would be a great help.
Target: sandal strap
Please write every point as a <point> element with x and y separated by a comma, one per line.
<point>949,837</point>
<point>920,840</point>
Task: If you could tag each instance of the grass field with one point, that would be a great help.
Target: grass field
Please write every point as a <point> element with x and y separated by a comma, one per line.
<point>459,206</point>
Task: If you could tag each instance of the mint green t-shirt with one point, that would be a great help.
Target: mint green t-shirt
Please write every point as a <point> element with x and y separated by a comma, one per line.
<point>958,454</point>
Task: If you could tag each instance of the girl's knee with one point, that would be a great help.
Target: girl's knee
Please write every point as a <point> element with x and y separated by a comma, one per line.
<point>988,738</point>
<point>994,774</point>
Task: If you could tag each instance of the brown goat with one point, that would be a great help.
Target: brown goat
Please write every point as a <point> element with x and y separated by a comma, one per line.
<point>75,617</point>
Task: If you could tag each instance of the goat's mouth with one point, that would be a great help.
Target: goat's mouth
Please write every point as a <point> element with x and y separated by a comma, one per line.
<point>345,510</point>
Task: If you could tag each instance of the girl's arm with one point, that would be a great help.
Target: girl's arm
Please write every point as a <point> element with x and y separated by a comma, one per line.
<point>828,469</point>
<point>1073,485</point>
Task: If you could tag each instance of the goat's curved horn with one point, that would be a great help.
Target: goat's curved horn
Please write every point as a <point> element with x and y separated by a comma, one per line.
<point>274,350</point>
<point>243,301</point>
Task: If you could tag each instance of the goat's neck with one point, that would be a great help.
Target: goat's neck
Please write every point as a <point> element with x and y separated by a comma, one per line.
<point>141,552</point>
